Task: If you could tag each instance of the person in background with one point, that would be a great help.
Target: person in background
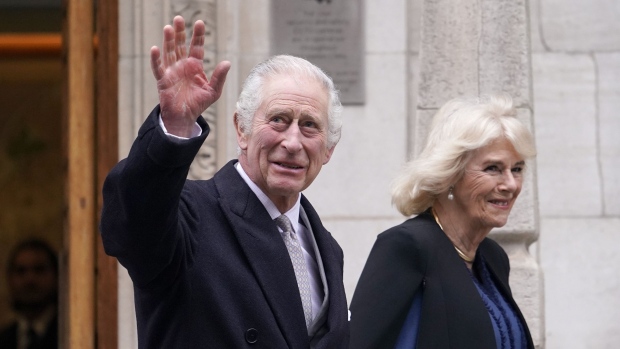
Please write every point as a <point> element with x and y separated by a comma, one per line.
<point>32,279</point>
<point>242,259</point>
<point>437,280</point>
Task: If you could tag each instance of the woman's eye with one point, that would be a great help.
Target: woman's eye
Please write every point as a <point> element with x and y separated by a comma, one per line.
<point>517,169</point>
<point>492,168</point>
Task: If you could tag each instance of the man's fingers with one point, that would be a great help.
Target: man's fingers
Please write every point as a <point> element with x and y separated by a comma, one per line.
<point>219,77</point>
<point>169,46</point>
<point>179,33</point>
<point>156,67</point>
<point>196,49</point>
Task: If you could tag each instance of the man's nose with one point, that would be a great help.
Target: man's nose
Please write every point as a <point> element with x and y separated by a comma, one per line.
<point>292,138</point>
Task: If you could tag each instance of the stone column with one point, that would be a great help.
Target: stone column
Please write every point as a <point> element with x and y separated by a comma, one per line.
<point>469,48</point>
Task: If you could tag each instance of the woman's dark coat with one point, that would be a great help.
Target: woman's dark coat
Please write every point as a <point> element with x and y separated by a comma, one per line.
<point>417,255</point>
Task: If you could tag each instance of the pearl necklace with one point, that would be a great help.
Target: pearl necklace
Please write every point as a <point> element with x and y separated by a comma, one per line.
<point>458,251</point>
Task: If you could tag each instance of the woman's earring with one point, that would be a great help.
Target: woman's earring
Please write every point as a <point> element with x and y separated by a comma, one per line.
<point>450,195</point>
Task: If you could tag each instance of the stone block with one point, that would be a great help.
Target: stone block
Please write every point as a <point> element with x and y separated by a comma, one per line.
<point>385,25</point>
<point>608,68</point>
<point>149,19</point>
<point>126,27</point>
<point>254,22</point>
<point>449,51</point>
<point>503,46</point>
<point>423,121</point>
<point>414,25</point>
<point>126,103</point>
<point>412,99</point>
<point>580,26</point>
<point>580,259</point>
<point>536,40</point>
<point>565,122</point>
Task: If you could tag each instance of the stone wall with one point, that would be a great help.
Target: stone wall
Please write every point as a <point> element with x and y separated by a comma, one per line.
<point>576,74</point>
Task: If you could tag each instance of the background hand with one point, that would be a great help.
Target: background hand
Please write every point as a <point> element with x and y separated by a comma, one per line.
<point>183,87</point>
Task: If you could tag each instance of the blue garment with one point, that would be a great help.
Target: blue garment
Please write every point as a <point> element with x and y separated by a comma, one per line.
<point>508,329</point>
<point>409,332</point>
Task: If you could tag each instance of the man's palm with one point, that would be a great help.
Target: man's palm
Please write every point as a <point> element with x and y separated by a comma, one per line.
<point>184,90</point>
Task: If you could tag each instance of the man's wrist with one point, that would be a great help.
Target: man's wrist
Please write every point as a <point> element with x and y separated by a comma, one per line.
<point>182,132</point>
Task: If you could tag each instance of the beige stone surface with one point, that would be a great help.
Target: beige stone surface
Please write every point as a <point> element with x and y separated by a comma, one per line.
<point>386,23</point>
<point>608,69</point>
<point>580,259</point>
<point>536,38</point>
<point>566,135</point>
<point>580,26</point>
<point>503,46</point>
<point>449,51</point>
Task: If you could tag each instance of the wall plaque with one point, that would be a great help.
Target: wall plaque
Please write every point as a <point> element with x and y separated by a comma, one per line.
<point>328,33</point>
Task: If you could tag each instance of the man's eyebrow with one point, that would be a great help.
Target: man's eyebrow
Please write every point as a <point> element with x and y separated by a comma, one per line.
<point>278,111</point>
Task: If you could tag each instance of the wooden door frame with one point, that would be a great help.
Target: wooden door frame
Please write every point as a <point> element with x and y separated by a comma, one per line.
<point>107,156</point>
<point>89,299</point>
<point>77,288</point>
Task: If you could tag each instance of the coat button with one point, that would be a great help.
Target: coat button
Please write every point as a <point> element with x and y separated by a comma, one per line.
<point>251,335</point>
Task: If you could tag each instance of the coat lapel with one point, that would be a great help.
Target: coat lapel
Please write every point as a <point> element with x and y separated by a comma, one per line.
<point>332,260</point>
<point>266,253</point>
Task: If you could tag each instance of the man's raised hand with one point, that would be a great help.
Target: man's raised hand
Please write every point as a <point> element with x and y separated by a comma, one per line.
<point>183,87</point>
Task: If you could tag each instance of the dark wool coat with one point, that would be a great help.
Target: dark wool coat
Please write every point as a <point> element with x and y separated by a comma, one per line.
<point>416,255</point>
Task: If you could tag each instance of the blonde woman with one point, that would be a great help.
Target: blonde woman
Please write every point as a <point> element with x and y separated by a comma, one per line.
<point>437,280</point>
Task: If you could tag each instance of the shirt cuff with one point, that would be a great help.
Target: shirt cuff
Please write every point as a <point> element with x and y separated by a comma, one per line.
<point>195,133</point>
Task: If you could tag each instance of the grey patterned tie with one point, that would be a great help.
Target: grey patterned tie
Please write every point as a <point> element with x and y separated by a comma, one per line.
<point>299,264</point>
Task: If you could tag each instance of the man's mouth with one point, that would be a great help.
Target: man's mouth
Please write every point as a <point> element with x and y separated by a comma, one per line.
<point>291,166</point>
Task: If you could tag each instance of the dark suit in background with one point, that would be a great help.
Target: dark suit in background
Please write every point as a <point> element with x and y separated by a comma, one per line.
<point>49,340</point>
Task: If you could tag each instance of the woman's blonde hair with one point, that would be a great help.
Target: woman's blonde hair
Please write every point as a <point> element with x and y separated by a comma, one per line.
<point>459,128</point>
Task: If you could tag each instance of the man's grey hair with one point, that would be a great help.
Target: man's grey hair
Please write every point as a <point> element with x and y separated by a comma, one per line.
<point>251,95</point>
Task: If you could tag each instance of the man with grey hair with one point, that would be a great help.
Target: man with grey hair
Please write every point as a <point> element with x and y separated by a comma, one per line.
<point>241,259</point>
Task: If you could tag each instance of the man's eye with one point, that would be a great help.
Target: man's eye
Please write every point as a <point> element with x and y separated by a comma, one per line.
<point>309,124</point>
<point>277,119</point>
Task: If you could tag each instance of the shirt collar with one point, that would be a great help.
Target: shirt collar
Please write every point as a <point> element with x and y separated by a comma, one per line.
<point>292,214</point>
<point>39,325</point>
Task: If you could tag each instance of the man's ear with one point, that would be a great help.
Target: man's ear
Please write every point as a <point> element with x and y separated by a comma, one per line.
<point>242,140</point>
<point>328,154</point>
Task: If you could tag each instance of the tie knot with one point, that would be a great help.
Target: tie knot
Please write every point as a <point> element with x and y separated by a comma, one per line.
<point>284,223</point>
